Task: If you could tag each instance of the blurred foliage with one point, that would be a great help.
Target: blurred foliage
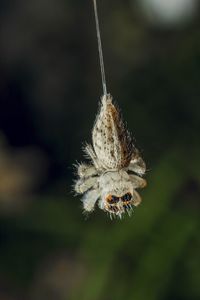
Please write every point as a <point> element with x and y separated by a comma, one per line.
<point>49,91</point>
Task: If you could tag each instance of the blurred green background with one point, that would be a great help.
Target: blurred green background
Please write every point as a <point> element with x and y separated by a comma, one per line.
<point>50,86</point>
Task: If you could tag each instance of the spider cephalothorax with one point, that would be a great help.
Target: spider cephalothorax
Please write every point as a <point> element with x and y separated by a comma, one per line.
<point>116,167</point>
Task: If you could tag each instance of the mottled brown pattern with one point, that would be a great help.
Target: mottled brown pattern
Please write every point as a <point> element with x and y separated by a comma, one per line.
<point>111,140</point>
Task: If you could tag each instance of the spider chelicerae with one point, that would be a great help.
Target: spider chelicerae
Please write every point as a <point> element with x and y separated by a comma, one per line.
<point>116,167</point>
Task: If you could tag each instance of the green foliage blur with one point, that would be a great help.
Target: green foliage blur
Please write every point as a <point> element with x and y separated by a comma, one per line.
<point>50,86</point>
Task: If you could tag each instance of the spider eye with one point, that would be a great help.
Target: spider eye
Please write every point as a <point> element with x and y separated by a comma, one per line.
<point>127,197</point>
<point>112,199</point>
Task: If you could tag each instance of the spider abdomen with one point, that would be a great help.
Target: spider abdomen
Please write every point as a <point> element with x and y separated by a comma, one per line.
<point>111,140</point>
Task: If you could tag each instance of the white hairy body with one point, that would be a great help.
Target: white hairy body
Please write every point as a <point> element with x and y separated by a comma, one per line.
<point>116,168</point>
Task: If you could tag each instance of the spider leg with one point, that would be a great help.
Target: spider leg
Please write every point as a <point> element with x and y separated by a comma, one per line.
<point>84,184</point>
<point>90,152</point>
<point>89,199</point>
<point>136,198</point>
<point>137,181</point>
<point>137,165</point>
<point>85,170</point>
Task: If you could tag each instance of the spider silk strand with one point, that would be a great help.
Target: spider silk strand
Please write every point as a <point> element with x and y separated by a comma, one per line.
<point>103,76</point>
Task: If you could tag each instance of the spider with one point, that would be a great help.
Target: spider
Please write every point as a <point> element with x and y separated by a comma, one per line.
<point>116,167</point>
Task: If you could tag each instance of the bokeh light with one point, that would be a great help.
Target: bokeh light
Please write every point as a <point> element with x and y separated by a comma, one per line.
<point>169,13</point>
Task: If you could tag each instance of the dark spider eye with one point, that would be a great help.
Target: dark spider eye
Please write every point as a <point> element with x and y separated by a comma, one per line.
<point>112,199</point>
<point>127,197</point>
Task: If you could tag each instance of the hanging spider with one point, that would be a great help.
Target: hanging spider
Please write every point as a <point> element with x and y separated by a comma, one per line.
<point>116,167</point>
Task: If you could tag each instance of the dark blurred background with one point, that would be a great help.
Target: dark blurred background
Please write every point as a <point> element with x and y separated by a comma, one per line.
<point>50,86</point>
